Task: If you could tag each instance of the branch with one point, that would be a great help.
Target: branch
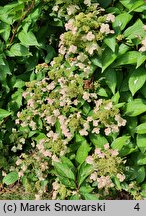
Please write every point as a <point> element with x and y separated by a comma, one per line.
<point>22,18</point>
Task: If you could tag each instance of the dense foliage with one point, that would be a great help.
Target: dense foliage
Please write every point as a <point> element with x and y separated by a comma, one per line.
<point>73,98</point>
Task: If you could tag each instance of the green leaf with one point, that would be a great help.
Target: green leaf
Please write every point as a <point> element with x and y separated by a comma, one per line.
<point>102,92</point>
<point>4,114</point>
<point>137,79</point>
<point>5,30</point>
<point>79,138</point>
<point>129,57</point>
<point>141,159</point>
<point>82,152</point>
<point>86,188</point>
<point>111,42</point>
<point>108,58</point>
<point>96,61</point>
<point>18,50</point>
<point>86,108</point>
<point>141,142</point>
<point>121,21</point>
<point>120,142</point>
<point>28,38</point>
<point>67,182</point>
<point>132,4</point>
<point>135,30</point>
<point>111,79</point>
<point>98,140</point>
<point>140,174</point>
<point>104,3</point>
<point>140,60</point>
<point>84,171</point>
<point>64,170</point>
<point>141,129</point>
<point>89,196</point>
<point>10,178</point>
<point>135,107</point>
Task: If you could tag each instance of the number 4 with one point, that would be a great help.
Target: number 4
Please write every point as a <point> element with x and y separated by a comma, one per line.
<point>137,206</point>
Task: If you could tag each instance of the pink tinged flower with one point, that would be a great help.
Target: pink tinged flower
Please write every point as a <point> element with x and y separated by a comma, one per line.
<point>49,100</point>
<point>96,130</point>
<point>106,146</point>
<point>69,25</point>
<point>95,122</point>
<point>90,36</point>
<point>115,128</point>
<point>55,136</point>
<point>121,121</point>
<point>110,17</point>
<point>51,86</point>
<point>93,176</point>
<point>83,132</point>
<point>37,197</point>
<point>121,177</point>
<point>82,57</point>
<point>75,102</point>
<point>56,112</point>
<point>144,27</point>
<point>87,2</point>
<point>50,134</point>
<point>114,152</point>
<point>72,9</point>
<point>81,65</point>
<point>54,196</point>
<point>91,48</point>
<point>47,153</point>
<point>86,125</point>
<point>55,8</point>
<point>25,94</point>
<point>50,120</point>
<point>55,158</point>
<point>62,50</point>
<point>20,174</point>
<point>89,118</point>
<point>72,49</point>
<point>142,49</point>
<point>86,95</point>
<point>56,186</point>
<point>105,29</point>
<point>101,155</point>
<point>17,121</point>
<point>144,42</point>
<point>30,102</point>
<point>108,106</point>
<point>79,115</point>
<point>90,160</point>
<point>32,125</point>
<point>107,131</point>
<point>18,162</point>
<point>97,151</point>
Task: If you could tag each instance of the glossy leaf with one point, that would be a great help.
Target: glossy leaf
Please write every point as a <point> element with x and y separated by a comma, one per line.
<point>28,38</point>
<point>84,171</point>
<point>121,21</point>
<point>64,170</point>
<point>141,129</point>
<point>4,114</point>
<point>98,140</point>
<point>137,79</point>
<point>135,107</point>
<point>120,142</point>
<point>82,152</point>
<point>111,79</point>
<point>10,178</point>
<point>141,142</point>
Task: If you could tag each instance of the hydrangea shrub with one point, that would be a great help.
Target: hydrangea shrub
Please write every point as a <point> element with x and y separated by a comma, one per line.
<point>80,132</point>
